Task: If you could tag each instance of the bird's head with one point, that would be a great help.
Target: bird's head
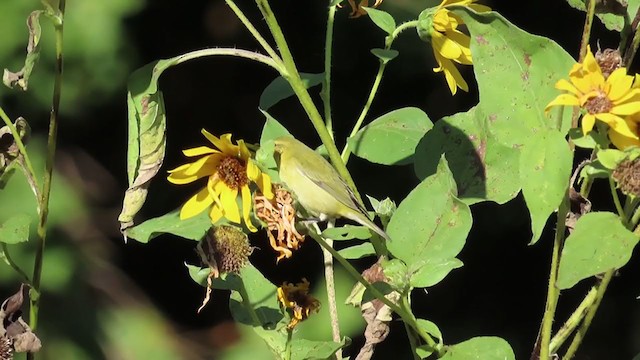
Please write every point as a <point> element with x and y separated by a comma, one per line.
<point>283,143</point>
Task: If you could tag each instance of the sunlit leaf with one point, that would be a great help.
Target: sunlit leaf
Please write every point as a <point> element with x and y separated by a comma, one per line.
<point>545,169</point>
<point>598,243</point>
<point>391,138</point>
<point>193,228</point>
<point>258,306</point>
<point>480,348</point>
<point>526,67</point>
<point>483,168</point>
<point>431,224</point>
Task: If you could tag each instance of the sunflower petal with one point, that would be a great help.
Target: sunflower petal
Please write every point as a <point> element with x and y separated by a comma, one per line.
<point>196,204</point>
<point>616,123</point>
<point>198,151</point>
<point>229,205</point>
<point>246,208</point>
<point>588,120</point>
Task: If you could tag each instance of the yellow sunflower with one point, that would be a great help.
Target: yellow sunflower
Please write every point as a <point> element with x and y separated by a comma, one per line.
<point>297,299</point>
<point>609,100</point>
<point>622,141</point>
<point>229,170</point>
<point>450,44</point>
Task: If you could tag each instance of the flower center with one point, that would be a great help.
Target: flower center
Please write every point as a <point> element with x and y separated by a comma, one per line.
<point>233,172</point>
<point>599,104</point>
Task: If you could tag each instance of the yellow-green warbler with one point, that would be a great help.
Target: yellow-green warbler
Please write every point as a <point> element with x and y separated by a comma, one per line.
<point>317,186</point>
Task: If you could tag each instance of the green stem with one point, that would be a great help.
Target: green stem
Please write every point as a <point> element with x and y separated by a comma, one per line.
<point>325,94</point>
<point>635,218</point>
<point>287,349</point>
<point>616,199</point>
<point>588,23</point>
<point>406,315</point>
<point>230,52</point>
<point>256,34</point>
<point>413,342</point>
<point>630,51</point>
<point>577,339</point>
<point>331,291</point>
<point>293,77</point>
<point>552,291</point>
<point>16,267</point>
<point>574,320</point>
<point>346,152</point>
<point>48,174</point>
<point>247,304</point>
<point>21,147</point>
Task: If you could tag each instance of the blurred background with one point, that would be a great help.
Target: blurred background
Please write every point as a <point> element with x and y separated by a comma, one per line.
<point>104,299</point>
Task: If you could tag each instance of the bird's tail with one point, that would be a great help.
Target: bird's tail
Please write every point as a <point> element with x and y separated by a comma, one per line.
<point>365,221</point>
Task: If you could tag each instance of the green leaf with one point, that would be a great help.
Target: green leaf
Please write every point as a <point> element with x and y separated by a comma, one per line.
<point>198,274</point>
<point>397,274</point>
<point>279,89</point>
<point>434,233</point>
<point>382,19</point>
<point>526,67</point>
<point>484,169</point>
<point>385,55</point>
<point>347,232</point>
<point>261,300</point>
<point>429,273</point>
<point>391,139</point>
<point>598,243</point>
<point>358,251</point>
<point>21,77</point>
<point>545,169</point>
<point>590,140</point>
<point>480,348</point>
<point>595,170</point>
<point>432,329</point>
<point>193,228</point>
<point>610,158</point>
<point>303,349</point>
<point>147,136</point>
<point>15,229</point>
<point>264,156</point>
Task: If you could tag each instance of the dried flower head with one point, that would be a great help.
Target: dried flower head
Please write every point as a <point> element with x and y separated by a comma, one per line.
<point>357,7</point>
<point>280,216</point>
<point>609,61</point>
<point>6,350</point>
<point>627,175</point>
<point>297,300</point>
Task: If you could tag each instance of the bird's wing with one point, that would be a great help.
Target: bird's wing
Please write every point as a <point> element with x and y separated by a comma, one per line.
<point>331,182</point>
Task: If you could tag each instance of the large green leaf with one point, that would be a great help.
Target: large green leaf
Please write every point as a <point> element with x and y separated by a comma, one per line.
<point>15,229</point>
<point>279,89</point>
<point>391,139</point>
<point>516,73</point>
<point>431,224</point>
<point>545,169</point>
<point>480,348</point>
<point>598,243</point>
<point>483,168</point>
<point>193,228</point>
<point>258,306</point>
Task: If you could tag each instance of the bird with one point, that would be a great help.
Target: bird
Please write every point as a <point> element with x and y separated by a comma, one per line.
<point>317,185</point>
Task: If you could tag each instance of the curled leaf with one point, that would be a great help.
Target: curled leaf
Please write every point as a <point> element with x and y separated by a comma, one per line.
<point>14,330</point>
<point>21,78</point>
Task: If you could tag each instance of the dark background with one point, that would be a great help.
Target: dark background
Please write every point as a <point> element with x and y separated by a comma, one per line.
<point>501,289</point>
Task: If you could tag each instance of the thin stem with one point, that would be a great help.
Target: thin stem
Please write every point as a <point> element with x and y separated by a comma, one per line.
<point>413,342</point>
<point>586,32</point>
<point>616,199</point>
<point>247,304</point>
<point>635,218</point>
<point>331,290</point>
<point>552,290</point>
<point>21,147</point>
<point>48,174</point>
<point>326,88</point>
<point>256,34</point>
<point>577,339</point>
<point>293,77</point>
<point>287,349</point>
<point>230,52</point>
<point>630,51</point>
<point>346,152</point>
<point>574,320</point>
<point>16,267</point>
<point>406,315</point>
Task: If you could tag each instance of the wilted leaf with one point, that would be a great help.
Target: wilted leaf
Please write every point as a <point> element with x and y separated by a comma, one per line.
<point>21,77</point>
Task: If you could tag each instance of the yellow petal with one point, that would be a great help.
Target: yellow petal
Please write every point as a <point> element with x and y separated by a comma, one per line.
<point>616,123</point>
<point>445,46</point>
<point>196,204</point>
<point>246,208</point>
<point>229,205</point>
<point>620,141</point>
<point>563,99</point>
<point>223,143</point>
<point>215,213</point>
<point>620,84</point>
<point>629,108</point>
<point>588,121</point>
<point>264,183</point>
<point>243,151</point>
<point>563,84</point>
<point>198,151</point>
